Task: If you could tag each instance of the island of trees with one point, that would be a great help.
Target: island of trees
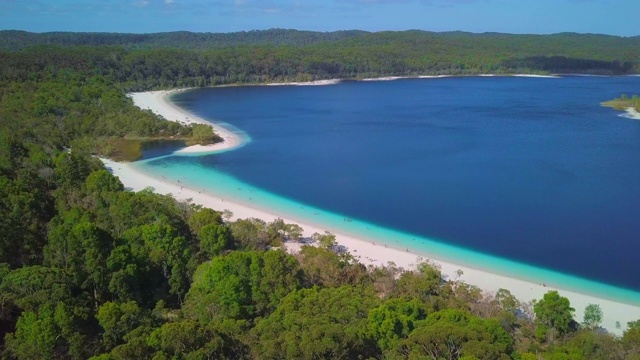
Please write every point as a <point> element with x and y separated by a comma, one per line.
<point>624,102</point>
<point>89,270</point>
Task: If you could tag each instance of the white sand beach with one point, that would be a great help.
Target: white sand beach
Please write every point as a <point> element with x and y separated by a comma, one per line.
<point>632,113</point>
<point>308,83</point>
<point>538,76</point>
<point>368,252</point>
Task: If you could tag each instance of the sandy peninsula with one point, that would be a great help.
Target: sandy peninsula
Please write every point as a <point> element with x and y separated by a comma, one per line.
<point>368,252</point>
<point>158,102</point>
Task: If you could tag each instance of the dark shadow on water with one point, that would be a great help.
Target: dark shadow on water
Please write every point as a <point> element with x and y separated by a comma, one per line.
<point>153,149</point>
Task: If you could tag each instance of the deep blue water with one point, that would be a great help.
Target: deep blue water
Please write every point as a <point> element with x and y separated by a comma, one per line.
<point>528,169</point>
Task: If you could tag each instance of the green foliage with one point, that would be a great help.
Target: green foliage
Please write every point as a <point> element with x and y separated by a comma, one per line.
<point>117,320</point>
<point>250,234</point>
<point>241,285</point>
<point>422,284</point>
<point>203,135</point>
<point>168,253</point>
<point>316,323</point>
<point>587,344</point>
<point>506,300</point>
<point>32,287</point>
<point>554,315</point>
<point>394,320</point>
<point>631,338</point>
<point>186,339</point>
<point>326,240</point>
<point>454,334</point>
<point>80,249</point>
<point>203,217</point>
<point>102,181</point>
<point>214,239</point>
<point>624,102</point>
<point>279,231</point>
<point>592,316</point>
<point>47,334</point>
<point>325,268</point>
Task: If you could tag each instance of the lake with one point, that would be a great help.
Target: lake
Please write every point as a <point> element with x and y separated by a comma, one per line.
<point>531,170</point>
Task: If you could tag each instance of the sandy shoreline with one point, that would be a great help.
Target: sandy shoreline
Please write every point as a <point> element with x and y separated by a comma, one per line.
<point>368,252</point>
<point>158,102</point>
<point>631,113</point>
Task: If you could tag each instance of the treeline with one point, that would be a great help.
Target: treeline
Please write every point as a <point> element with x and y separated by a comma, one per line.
<point>62,100</point>
<point>16,40</point>
<point>88,270</point>
<point>189,59</point>
<point>585,46</point>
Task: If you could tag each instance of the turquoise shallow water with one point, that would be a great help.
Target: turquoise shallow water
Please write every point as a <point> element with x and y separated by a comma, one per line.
<point>220,174</point>
<point>218,184</point>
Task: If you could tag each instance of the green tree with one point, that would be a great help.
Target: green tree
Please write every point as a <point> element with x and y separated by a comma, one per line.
<point>423,283</point>
<point>188,339</point>
<point>250,234</point>
<point>51,332</point>
<point>554,315</point>
<point>455,334</point>
<point>167,250</point>
<point>394,320</point>
<point>592,316</point>
<point>317,324</point>
<point>81,249</point>
<point>214,239</point>
<point>631,339</point>
<point>241,285</point>
<point>326,240</point>
<point>32,287</point>
<point>118,319</point>
<point>323,267</point>
<point>204,217</point>
<point>102,181</point>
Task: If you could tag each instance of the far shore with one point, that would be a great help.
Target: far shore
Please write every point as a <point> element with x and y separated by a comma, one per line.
<point>365,250</point>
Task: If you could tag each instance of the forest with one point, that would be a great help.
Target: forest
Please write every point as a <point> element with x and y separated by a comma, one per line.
<point>90,270</point>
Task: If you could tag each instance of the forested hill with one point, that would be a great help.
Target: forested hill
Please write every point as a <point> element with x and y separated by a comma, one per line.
<point>15,40</point>
<point>405,45</point>
<point>539,44</point>
<point>168,60</point>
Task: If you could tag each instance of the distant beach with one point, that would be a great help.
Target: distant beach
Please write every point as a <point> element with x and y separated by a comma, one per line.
<point>364,249</point>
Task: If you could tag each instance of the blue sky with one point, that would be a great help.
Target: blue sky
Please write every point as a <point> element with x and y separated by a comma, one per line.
<point>615,17</point>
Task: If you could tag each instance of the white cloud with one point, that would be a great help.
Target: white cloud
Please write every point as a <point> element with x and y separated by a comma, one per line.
<point>169,2</point>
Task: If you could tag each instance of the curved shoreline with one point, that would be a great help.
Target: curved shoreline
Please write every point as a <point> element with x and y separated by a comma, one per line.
<point>159,102</point>
<point>369,252</point>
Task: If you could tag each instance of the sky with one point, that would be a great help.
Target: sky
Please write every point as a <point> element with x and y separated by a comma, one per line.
<point>614,17</point>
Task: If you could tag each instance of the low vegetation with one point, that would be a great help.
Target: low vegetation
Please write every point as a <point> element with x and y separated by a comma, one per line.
<point>624,102</point>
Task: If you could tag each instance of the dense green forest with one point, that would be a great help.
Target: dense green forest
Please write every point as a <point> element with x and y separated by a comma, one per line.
<point>142,62</point>
<point>89,270</point>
